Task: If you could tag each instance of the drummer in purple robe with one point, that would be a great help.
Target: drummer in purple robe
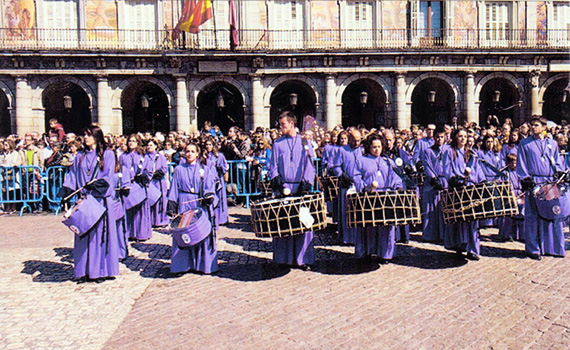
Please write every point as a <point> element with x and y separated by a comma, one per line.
<point>511,147</point>
<point>462,168</point>
<point>432,216</point>
<point>95,254</point>
<point>292,172</point>
<point>490,162</point>
<point>374,173</point>
<point>539,162</point>
<point>155,167</point>
<point>217,161</point>
<point>138,222</point>
<point>345,163</point>
<point>193,186</point>
<point>512,227</point>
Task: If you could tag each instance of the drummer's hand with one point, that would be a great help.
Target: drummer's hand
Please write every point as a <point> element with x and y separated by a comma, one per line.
<point>63,193</point>
<point>124,191</point>
<point>559,176</point>
<point>455,182</point>
<point>208,199</point>
<point>304,188</point>
<point>373,186</point>
<point>277,184</point>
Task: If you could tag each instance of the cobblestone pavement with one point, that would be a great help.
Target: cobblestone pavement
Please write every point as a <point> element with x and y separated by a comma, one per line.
<point>425,299</point>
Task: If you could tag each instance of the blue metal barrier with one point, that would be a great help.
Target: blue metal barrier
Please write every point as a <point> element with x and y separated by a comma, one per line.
<point>54,177</point>
<point>21,185</point>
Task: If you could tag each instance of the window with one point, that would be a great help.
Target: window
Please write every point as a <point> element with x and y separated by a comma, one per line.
<point>286,24</point>
<point>497,17</point>
<point>359,24</point>
<point>430,19</point>
<point>140,23</point>
<point>560,29</point>
<point>60,23</point>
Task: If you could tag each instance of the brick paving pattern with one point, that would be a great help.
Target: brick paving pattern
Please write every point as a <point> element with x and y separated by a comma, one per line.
<point>425,299</point>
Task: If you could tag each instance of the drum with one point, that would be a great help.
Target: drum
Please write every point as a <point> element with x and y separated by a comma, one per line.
<point>383,208</point>
<point>418,178</point>
<point>265,188</point>
<point>330,187</point>
<point>136,196</point>
<point>280,217</point>
<point>84,215</point>
<point>190,227</point>
<point>552,201</point>
<point>481,201</point>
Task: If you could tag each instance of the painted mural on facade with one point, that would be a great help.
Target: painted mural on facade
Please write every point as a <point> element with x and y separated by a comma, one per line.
<point>394,19</point>
<point>20,19</point>
<point>541,20</point>
<point>522,22</point>
<point>325,17</point>
<point>101,19</point>
<point>464,21</point>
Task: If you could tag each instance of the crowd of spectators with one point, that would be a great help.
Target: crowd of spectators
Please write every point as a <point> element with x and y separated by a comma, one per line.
<point>56,147</point>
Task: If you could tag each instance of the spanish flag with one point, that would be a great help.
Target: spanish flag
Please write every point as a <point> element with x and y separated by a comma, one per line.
<point>194,14</point>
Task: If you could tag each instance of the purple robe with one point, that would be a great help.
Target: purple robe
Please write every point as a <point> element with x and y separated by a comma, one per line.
<point>138,219</point>
<point>380,240</point>
<point>95,254</point>
<point>505,151</point>
<point>539,159</point>
<point>187,185</point>
<point>122,238</point>
<point>402,231</point>
<point>420,146</point>
<point>290,161</point>
<point>488,159</point>
<point>462,236</point>
<point>151,163</point>
<point>219,166</point>
<point>432,216</point>
<point>513,228</point>
<point>345,162</point>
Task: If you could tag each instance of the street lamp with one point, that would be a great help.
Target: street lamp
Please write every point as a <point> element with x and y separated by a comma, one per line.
<point>220,101</point>
<point>144,102</point>
<point>431,96</point>
<point>67,102</point>
<point>363,98</point>
<point>496,96</point>
<point>293,99</point>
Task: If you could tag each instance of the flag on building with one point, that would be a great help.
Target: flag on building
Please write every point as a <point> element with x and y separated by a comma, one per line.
<point>234,39</point>
<point>194,14</point>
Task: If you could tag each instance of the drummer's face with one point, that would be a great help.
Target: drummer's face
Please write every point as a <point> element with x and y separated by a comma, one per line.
<point>343,140</point>
<point>537,128</point>
<point>513,165</point>
<point>439,139</point>
<point>151,147</point>
<point>209,146</point>
<point>489,144</point>
<point>191,154</point>
<point>376,148</point>
<point>355,140</point>
<point>89,140</point>
<point>461,139</point>
<point>287,126</point>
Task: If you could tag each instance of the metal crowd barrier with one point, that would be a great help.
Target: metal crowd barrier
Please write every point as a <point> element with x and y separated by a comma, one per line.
<point>54,177</point>
<point>21,185</point>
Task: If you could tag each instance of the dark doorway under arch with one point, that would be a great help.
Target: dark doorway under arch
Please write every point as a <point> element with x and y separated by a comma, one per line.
<point>5,124</point>
<point>555,106</point>
<point>281,101</point>
<point>506,107</point>
<point>433,102</point>
<point>145,109</point>
<point>222,104</point>
<point>363,103</point>
<point>76,116</point>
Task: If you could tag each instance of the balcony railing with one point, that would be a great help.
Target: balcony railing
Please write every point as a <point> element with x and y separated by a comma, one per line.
<point>281,40</point>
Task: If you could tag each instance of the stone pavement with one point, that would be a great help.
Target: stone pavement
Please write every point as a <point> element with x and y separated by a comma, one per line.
<point>425,299</point>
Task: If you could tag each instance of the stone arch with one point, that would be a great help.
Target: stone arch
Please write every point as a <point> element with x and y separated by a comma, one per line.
<point>37,96</point>
<point>548,82</point>
<point>275,82</point>
<point>437,75</point>
<point>9,94</point>
<point>117,95</point>
<point>516,83</point>
<point>195,90</point>
<point>346,82</point>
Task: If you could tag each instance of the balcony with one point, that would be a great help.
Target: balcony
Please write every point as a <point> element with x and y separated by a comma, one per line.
<point>280,40</point>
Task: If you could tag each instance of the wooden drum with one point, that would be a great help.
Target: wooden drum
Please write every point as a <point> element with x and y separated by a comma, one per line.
<point>265,188</point>
<point>385,208</point>
<point>280,217</point>
<point>481,201</point>
<point>330,187</point>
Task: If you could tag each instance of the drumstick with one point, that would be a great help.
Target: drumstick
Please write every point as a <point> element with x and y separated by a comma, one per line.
<point>78,190</point>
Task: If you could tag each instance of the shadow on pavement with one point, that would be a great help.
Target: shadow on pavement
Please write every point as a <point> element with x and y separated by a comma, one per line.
<point>425,258</point>
<point>48,271</point>
<point>251,244</point>
<point>66,254</point>
<point>240,222</point>
<point>247,268</point>
<point>495,252</point>
<point>153,267</point>
<point>332,262</point>
<point>156,251</point>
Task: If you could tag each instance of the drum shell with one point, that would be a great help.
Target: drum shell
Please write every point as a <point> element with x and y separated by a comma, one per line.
<point>552,207</point>
<point>265,188</point>
<point>279,217</point>
<point>84,215</point>
<point>481,201</point>
<point>330,187</point>
<point>195,232</point>
<point>383,208</point>
<point>152,194</point>
<point>136,196</point>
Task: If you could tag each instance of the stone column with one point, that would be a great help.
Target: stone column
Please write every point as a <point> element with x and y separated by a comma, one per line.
<point>182,105</point>
<point>402,119</point>
<point>536,104</point>
<point>104,110</point>
<point>330,104</point>
<point>470,98</point>
<point>257,117</point>
<point>24,117</point>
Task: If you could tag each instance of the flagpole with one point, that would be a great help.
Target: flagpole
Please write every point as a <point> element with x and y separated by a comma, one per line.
<point>215,30</point>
